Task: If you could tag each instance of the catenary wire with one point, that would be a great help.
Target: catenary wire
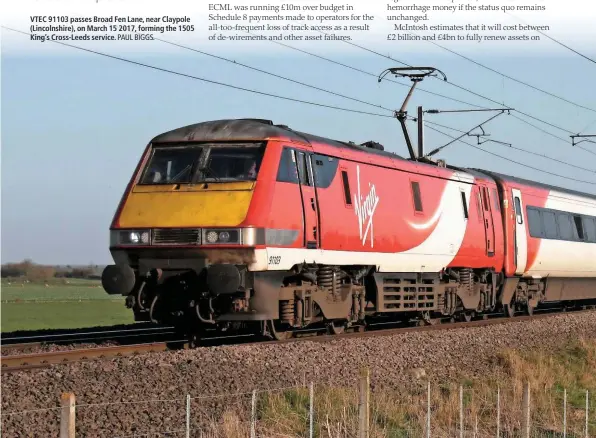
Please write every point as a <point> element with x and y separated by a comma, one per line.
<point>348,97</point>
<point>275,96</point>
<point>588,126</point>
<point>439,149</point>
<point>408,65</point>
<point>369,73</point>
<point>555,40</point>
<point>426,122</point>
<point>457,86</point>
<point>426,91</point>
<point>513,161</point>
<point>548,93</point>
<point>553,135</point>
<point>430,92</point>
<point>165,70</point>
<point>273,74</point>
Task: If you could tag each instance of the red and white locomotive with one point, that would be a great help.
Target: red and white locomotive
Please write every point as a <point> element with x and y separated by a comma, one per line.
<point>240,223</point>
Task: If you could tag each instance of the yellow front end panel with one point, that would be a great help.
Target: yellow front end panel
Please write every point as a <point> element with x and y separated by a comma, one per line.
<point>221,204</point>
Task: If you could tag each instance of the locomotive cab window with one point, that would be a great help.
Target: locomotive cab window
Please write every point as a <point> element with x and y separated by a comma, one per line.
<point>194,163</point>
<point>171,165</point>
<point>304,172</point>
<point>287,167</point>
<point>231,164</point>
<point>325,169</point>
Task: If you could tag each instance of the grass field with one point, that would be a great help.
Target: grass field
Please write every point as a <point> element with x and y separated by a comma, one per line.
<point>76,304</point>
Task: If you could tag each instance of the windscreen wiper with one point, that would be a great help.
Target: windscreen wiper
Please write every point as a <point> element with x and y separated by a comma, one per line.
<point>209,170</point>
<point>179,174</point>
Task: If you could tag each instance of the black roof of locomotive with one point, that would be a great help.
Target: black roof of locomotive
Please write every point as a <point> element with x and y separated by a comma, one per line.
<point>257,129</point>
<point>261,129</point>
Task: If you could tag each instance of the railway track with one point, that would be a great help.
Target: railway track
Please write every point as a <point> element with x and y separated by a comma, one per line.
<point>21,362</point>
<point>132,335</point>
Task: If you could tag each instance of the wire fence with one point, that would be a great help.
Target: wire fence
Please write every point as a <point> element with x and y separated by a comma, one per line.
<point>309,411</point>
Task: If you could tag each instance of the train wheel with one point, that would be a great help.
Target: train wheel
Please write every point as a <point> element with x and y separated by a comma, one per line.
<point>426,318</point>
<point>336,327</point>
<point>466,316</point>
<point>280,332</point>
<point>509,310</point>
<point>194,340</point>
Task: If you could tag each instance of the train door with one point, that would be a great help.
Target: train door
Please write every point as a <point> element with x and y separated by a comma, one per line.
<point>489,227</point>
<point>521,240</point>
<point>309,200</point>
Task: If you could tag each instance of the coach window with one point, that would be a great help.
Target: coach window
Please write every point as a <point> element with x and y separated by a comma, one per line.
<point>417,197</point>
<point>534,222</point>
<point>578,229</point>
<point>590,228</point>
<point>565,227</point>
<point>550,225</point>
<point>287,167</point>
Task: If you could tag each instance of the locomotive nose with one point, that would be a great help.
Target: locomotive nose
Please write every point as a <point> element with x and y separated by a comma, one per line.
<point>118,279</point>
<point>223,279</point>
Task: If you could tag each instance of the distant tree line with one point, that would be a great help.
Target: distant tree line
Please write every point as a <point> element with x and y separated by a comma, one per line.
<point>28,270</point>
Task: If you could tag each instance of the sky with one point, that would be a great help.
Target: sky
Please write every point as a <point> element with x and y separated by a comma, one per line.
<point>74,124</point>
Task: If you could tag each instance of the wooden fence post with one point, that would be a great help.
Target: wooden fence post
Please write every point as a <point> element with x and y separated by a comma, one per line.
<point>428,410</point>
<point>363,404</point>
<point>526,411</point>
<point>67,415</point>
<point>461,411</point>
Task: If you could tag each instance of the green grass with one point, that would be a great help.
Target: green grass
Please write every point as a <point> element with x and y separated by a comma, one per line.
<point>74,291</point>
<point>66,314</point>
<point>60,305</point>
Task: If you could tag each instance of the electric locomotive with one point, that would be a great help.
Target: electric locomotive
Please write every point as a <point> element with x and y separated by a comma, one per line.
<point>247,225</point>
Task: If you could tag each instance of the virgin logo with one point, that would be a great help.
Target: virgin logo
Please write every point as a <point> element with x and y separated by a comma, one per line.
<point>365,210</point>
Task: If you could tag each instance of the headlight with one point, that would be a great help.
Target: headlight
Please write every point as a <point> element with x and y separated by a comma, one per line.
<point>232,236</point>
<point>130,237</point>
